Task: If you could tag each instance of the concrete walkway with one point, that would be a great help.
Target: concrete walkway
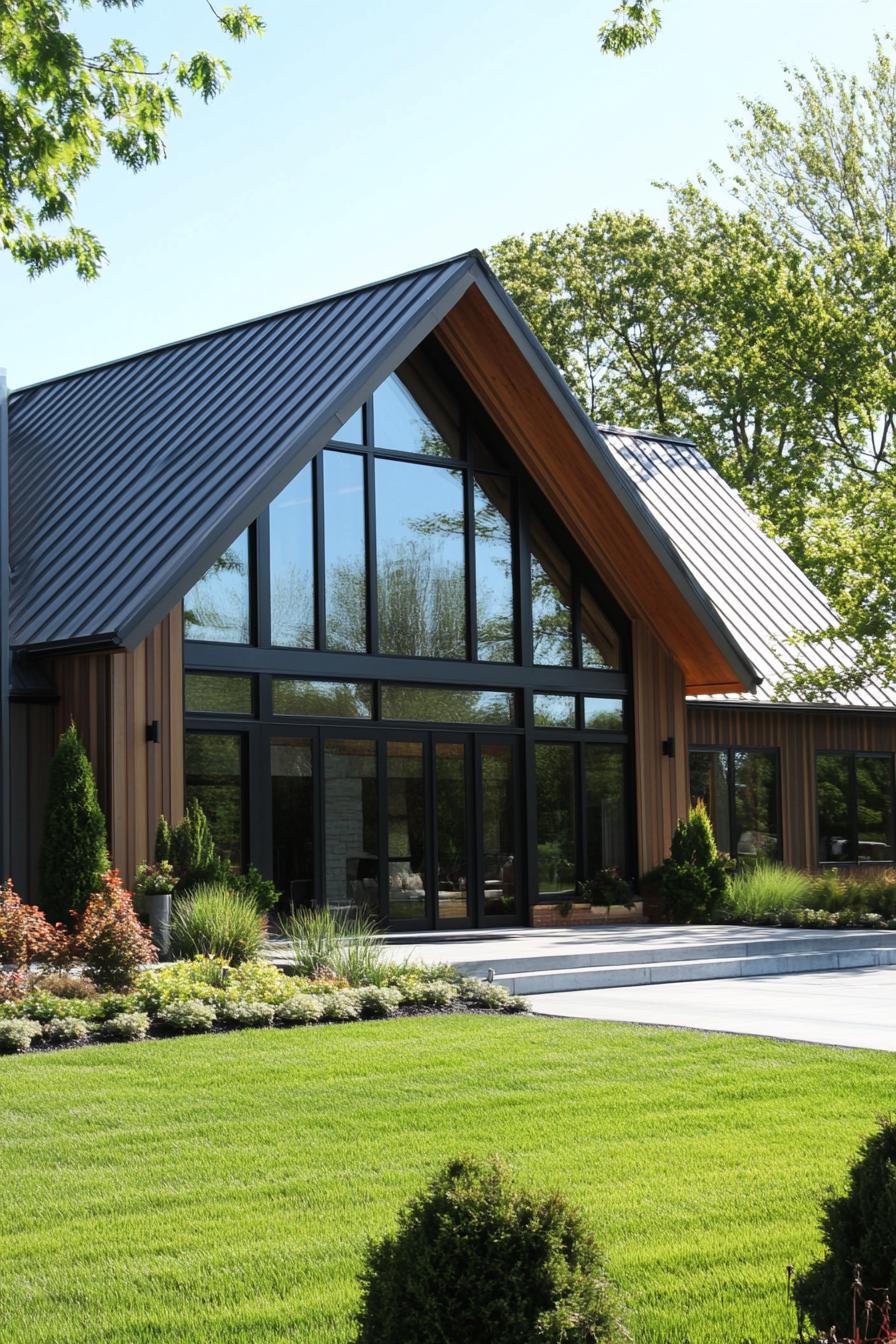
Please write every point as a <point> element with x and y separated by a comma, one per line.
<point>848,1008</point>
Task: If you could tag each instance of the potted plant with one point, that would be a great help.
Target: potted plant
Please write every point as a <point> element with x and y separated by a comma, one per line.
<point>605,889</point>
<point>154,885</point>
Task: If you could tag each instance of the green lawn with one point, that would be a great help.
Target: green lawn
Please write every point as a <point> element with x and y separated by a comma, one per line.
<point>222,1188</point>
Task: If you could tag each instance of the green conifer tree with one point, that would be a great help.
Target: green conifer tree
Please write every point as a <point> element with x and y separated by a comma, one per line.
<point>162,848</point>
<point>74,850</point>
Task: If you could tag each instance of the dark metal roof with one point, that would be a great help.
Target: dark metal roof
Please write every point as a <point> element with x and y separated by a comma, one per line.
<point>759,593</point>
<point>129,479</point>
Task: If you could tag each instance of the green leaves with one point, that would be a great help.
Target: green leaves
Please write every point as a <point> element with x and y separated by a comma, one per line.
<point>60,107</point>
<point>635,23</point>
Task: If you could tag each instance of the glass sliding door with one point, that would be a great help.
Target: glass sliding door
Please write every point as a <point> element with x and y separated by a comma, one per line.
<point>499,885</point>
<point>351,826</point>
<point>406,830</point>
<point>452,830</point>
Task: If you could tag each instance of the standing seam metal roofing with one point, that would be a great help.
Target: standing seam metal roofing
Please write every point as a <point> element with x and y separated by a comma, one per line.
<point>103,460</point>
<point>759,593</point>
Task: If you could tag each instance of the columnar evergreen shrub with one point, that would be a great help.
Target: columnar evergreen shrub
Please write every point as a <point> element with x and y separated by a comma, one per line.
<point>162,846</point>
<point>475,1258</point>
<point>696,879</point>
<point>857,1228</point>
<point>74,852</point>
<point>109,937</point>
<point>26,935</point>
<point>193,851</point>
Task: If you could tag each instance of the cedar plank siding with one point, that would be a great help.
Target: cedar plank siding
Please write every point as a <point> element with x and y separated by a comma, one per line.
<point>112,698</point>
<point>661,782</point>
<point>798,734</point>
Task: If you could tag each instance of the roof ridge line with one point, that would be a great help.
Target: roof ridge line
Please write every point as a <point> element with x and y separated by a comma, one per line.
<point>470,255</point>
<point>647,434</point>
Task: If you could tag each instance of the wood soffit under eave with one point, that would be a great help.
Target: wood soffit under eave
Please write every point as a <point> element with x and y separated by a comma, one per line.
<point>502,379</point>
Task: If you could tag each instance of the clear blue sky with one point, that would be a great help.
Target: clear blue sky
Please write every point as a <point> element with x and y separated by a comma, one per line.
<point>357,140</point>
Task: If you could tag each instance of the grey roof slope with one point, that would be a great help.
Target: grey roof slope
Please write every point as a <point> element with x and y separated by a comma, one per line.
<point>129,479</point>
<point>759,593</point>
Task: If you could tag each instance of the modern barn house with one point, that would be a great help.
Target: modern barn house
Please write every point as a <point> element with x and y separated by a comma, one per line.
<point>364,578</point>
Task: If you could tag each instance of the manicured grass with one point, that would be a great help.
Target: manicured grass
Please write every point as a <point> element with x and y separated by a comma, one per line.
<point>220,1189</point>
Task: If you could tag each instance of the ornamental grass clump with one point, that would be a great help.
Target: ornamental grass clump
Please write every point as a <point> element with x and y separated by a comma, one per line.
<point>109,938</point>
<point>474,1258</point>
<point>858,1230</point>
<point>349,946</point>
<point>211,920</point>
<point>766,891</point>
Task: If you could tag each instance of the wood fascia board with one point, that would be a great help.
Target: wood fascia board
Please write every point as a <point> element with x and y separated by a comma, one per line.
<point>478,339</point>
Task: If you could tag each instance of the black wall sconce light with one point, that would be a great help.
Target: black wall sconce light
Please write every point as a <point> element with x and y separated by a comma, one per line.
<point>668,746</point>
<point>153,733</point>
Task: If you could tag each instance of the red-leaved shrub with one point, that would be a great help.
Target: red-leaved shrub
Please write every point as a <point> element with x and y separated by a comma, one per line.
<point>109,938</point>
<point>13,986</point>
<point>26,934</point>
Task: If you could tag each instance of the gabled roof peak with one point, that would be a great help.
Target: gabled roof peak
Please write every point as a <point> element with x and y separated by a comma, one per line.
<point>473,256</point>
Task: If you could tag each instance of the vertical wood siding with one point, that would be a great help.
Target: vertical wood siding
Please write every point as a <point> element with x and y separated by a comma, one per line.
<point>113,697</point>
<point>798,735</point>
<point>661,782</point>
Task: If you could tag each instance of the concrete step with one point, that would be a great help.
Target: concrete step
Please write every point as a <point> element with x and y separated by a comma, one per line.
<point>606,975</point>
<point>692,947</point>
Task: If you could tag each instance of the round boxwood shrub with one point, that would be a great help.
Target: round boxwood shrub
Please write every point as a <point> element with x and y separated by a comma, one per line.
<point>65,1030</point>
<point>857,1228</point>
<point>247,1013</point>
<point>298,1010</point>
<point>379,1001</point>
<point>16,1034</point>
<point>343,1005</point>
<point>125,1027</point>
<point>429,994</point>
<point>475,1258</point>
<point>187,1016</point>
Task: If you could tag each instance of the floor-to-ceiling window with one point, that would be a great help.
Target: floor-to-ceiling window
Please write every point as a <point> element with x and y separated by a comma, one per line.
<point>739,788</point>
<point>406,689</point>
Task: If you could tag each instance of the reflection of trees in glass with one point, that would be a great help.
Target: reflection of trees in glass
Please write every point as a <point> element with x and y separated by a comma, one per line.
<point>494,568</point>
<point>422,604</point>
<point>209,692</point>
<point>292,608</point>
<point>756,802</point>
<point>342,699</point>
<point>446,704</point>
<point>421,561</point>
<point>213,769</point>
<point>217,607</point>
<point>347,606</point>
<point>709,783</point>
<point>874,805</point>
<point>832,793</point>
<point>605,807</point>
<point>555,817</point>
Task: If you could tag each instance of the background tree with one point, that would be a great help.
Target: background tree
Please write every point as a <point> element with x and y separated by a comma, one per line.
<point>633,24</point>
<point>61,106</point>
<point>766,333</point>
<point>74,854</point>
